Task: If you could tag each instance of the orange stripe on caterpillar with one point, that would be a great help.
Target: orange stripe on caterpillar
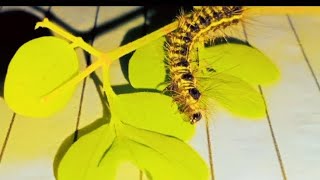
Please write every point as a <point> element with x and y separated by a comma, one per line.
<point>196,26</point>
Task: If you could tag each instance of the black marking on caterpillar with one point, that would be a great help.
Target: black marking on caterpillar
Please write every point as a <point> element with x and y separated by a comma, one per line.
<point>196,26</point>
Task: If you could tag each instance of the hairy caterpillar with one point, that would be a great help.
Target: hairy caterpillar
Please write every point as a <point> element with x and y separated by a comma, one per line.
<point>198,26</point>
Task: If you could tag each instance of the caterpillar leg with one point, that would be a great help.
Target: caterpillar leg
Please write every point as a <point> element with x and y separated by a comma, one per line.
<point>75,41</point>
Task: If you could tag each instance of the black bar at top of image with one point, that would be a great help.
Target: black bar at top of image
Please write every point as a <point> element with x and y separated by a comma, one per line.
<point>157,2</point>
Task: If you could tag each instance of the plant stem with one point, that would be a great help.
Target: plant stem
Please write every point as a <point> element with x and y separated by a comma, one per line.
<point>106,82</point>
<point>102,57</point>
<point>123,50</point>
<point>282,10</point>
<point>76,41</point>
<point>75,80</point>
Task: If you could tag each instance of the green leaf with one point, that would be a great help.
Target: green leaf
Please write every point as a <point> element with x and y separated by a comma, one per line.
<point>147,67</point>
<point>233,94</point>
<point>38,67</point>
<point>154,112</point>
<point>241,66</point>
<point>82,159</point>
<point>160,157</point>
<point>99,155</point>
<point>242,61</point>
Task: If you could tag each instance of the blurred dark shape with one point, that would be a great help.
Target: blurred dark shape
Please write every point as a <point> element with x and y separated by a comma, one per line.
<point>17,28</point>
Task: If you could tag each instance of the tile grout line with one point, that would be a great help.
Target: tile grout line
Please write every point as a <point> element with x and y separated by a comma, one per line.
<point>210,153</point>
<point>274,140</point>
<point>75,137</point>
<point>49,9</point>
<point>303,52</point>
<point>209,144</point>
<point>283,172</point>
<point>7,137</point>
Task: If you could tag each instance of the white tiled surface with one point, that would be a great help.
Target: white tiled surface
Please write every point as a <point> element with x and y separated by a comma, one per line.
<point>240,149</point>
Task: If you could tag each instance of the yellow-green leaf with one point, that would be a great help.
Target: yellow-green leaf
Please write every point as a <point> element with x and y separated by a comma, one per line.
<point>147,67</point>
<point>99,155</point>
<point>82,159</point>
<point>233,94</point>
<point>242,61</point>
<point>38,67</point>
<point>154,112</point>
<point>160,157</point>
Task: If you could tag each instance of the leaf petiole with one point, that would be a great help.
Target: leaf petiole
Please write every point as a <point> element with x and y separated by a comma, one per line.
<point>76,41</point>
<point>102,57</point>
